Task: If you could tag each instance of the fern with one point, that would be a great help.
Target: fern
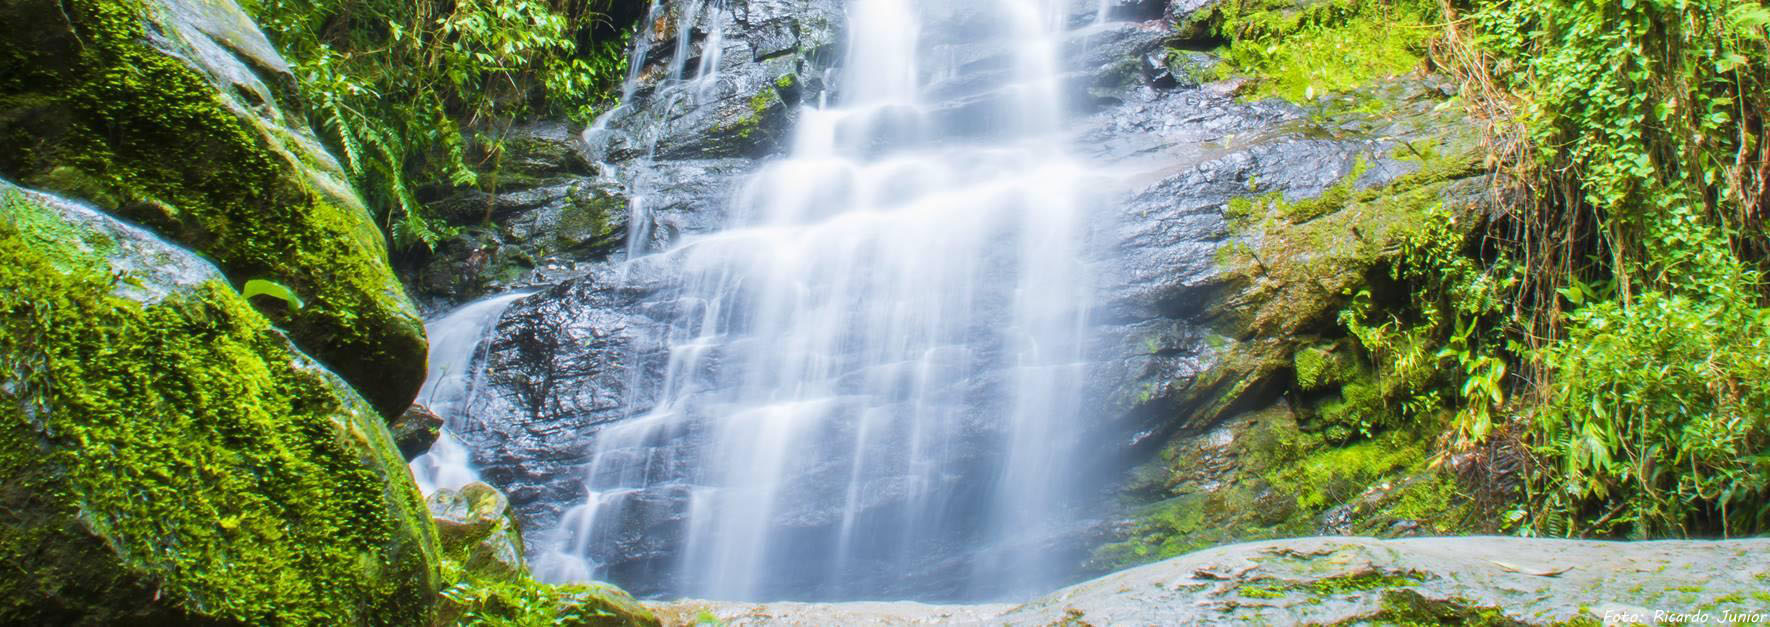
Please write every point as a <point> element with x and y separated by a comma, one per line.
<point>393,82</point>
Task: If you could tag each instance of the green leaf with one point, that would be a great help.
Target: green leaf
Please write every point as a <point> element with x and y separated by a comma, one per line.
<point>261,287</point>
<point>1573,294</point>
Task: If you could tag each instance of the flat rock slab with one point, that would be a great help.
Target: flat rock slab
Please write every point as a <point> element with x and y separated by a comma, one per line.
<point>1344,580</point>
<point>856,614</point>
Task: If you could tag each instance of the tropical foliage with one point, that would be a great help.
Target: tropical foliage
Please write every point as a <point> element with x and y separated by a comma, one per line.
<point>413,95</point>
<point>1644,240</point>
<point>1611,322</point>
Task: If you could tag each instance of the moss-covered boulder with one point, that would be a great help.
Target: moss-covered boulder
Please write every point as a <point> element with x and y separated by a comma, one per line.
<point>169,456</point>
<point>522,601</point>
<point>489,582</point>
<point>178,114</point>
<point>476,529</point>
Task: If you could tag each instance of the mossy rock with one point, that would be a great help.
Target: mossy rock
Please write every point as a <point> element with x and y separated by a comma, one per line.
<point>522,601</point>
<point>179,115</point>
<point>171,457</point>
<point>477,530</point>
<point>1260,475</point>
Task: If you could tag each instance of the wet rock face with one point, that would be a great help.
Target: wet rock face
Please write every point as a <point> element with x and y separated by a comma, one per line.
<point>541,214</point>
<point>415,430</point>
<point>668,157</point>
<point>588,354</point>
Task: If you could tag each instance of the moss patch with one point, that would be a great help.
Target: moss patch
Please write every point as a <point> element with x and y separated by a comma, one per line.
<point>1409,608</point>
<point>100,113</point>
<point>524,602</point>
<point>179,461</point>
<point>1275,480</point>
<point>1302,50</point>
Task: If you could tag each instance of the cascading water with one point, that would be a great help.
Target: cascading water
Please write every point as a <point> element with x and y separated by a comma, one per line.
<point>449,386</point>
<point>882,354</point>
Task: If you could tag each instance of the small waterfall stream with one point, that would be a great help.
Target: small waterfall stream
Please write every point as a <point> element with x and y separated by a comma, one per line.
<point>883,350</point>
<point>449,386</point>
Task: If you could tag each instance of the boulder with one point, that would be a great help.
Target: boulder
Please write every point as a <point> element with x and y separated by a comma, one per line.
<point>415,430</point>
<point>481,541</point>
<point>171,457</point>
<point>1432,581</point>
<point>1358,581</point>
<point>476,529</point>
<point>179,115</point>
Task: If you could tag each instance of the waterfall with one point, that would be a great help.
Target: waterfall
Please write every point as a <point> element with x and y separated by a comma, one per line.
<point>449,385</point>
<point>882,352</point>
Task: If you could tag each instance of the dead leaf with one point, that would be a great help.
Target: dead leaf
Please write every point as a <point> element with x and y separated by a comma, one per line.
<point>1539,572</point>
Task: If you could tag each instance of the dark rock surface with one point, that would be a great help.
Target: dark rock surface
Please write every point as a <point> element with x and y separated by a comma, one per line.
<point>415,430</point>
<point>656,168</point>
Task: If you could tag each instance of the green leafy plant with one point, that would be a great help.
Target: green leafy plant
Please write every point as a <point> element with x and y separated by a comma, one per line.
<point>273,289</point>
<point>415,95</point>
<point>1643,242</point>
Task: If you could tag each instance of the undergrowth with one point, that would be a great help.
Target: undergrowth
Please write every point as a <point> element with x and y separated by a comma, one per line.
<point>415,95</point>
<point>1642,241</point>
<point>1610,317</point>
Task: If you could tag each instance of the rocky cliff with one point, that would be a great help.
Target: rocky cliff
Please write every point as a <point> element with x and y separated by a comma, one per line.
<point>1202,307</point>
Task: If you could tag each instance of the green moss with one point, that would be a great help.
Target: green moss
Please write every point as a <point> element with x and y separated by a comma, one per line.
<point>758,106</point>
<point>524,602</point>
<point>1301,51</point>
<point>1315,590</point>
<point>1280,482</point>
<point>588,218</point>
<point>1364,582</point>
<point>139,130</point>
<point>1409,608</point>
<point>178,460</point>
<point>1439,504</point>
<point>1262,591</point>
<point>1329,475</point>
<point>1321,366</point>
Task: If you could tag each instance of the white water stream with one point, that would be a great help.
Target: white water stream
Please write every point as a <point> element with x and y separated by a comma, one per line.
<point>449,386</point>
<point>828,342</point>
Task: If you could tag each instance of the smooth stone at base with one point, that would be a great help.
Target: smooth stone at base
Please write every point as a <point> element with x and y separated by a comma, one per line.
<point>1467,580</point>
